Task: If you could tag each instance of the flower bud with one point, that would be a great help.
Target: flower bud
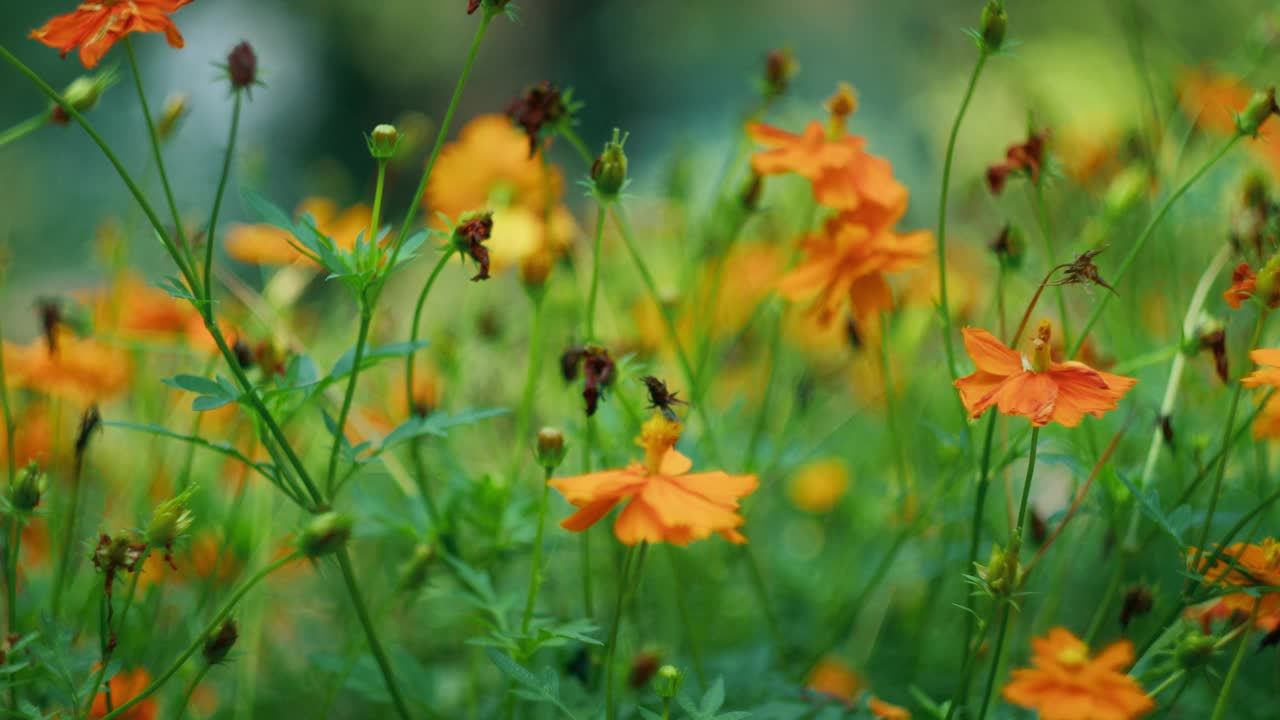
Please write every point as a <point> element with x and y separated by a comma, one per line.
<point>668,681</point>
<point>550,448</point>
<point>1261,106</point>
<point>994,24</point>
<point>26,491</point>
<point>170,520</point>
<point>1003,571</point>
<point>175,109</point>
<point>220,641</point>
<point>780,67</point>
<point>1010,247</point>
<point>1194,650</point>
<point>383,142</point>
<point>1267,284</point>
<point>242,66</point>
<point>609,172</point>
<point>413,571</point>
<point>326,534</point>
<point>83,94</point>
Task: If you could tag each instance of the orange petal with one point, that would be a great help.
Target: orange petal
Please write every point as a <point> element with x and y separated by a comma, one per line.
<point>1029,394</point>
<point>674,463</point>
<point>589,515</point>
<point>638,522</point>
<point>989,354</point>
<point>583,489</point>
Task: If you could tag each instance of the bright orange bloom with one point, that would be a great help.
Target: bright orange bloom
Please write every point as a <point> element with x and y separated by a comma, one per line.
<point>848,259</point>
<point>1243,285</point>
<point>269,245</point>
<point>666,505</point>
<point>835,679</point>
<point>1037,388</point>
<point>843,174</point>
<point>884,710</point>
<point>125,686</point>
<point>1066,684</point>
<point>1213,99</point>
<point>32,437</point>
<point>81,369</point>
<point>95,26</point>
<point>1246,565</point>
<point>1269,375</point>
<point>818,486</point>
<point>1266,425</point>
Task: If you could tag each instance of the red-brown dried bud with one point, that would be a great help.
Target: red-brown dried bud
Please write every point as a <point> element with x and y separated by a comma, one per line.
<point>780,67</point>
<point>643,668</point>
<point>242,66</point>
<point>472,230</point>
<point>541,106</point>
<point>598,370</point>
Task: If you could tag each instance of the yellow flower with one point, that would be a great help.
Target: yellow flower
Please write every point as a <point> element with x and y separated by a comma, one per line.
<point>818,486</point>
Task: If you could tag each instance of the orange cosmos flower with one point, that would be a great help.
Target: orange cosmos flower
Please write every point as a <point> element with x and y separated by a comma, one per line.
<point>847,260</point>
<point>490,157</point>
<point>1066,684</point>
<point>1245,565</point>
<point>269,245</point>
<point>1243,284</point>
<point>95,26</point>
<point>1269,375</point>
<point>1266,425</point>
<point>818,486</point>
<point>125,686</point>
<point>1212,99</point>
<point>843,174</point>
<point>82,369</point>
<point>833,678</point>
<point>665,504</point>
<point>1038,388</point>
<point>886,711</point>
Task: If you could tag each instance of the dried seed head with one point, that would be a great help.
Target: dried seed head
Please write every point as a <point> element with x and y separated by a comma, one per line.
<point>539,109</point>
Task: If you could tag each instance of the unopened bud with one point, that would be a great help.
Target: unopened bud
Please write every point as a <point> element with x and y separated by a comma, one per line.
<point>994,24</point>
<point>383,142</point>
<point>668,681</point>
<point>1261,106</point>
<point>327,533</point>
<point>1010,247</point>
<point>413,571</point>
<point>1267,285</point>
<point>219,642</point>
<point>175,108</point>
<point>1125,191</point>
<point>242,66</point>
<point>550,448</point>
<point>26,491</point>
<point>1194,650</point>
<point>780,67</point>
<point>170,520</point>
<point>609,172</point>
<point>83,94</point>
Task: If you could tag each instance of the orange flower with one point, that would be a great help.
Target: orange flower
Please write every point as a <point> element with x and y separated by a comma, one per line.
<point>270,245</point>
<point>1066,684</point>
<point>666,505</point>
<point>884,710</point>
<point>82,370</point>
<point>847,260</point>
<point>843,174</point>
<point>1266,425</point>
<point>1243,285</point>
<point>124,687</point>
<point>1269,375</point>
<point>95,26</point>
<point>1212,99</point>
<point>835,679</point>
<point>1246,565</point>
<point>490,157</point>
<point>1039,388</point>
<point>32,436</point>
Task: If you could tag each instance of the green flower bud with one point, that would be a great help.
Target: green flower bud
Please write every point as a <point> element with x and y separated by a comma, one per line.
<point>83,94</point>
<point>413,572</point>
<point>383,142</point>
<point>170,520</point>
<point>668,681</point>
<point>220,641</point>
<point>609,173</point>
<point>25,493</point>
<point>550,449</point>
<point>1260,107</point>
<point>1194,650</point>
<point>1010,247</point>
<point>326,534</point>
<point>175,108</point>
<point>994,24</point>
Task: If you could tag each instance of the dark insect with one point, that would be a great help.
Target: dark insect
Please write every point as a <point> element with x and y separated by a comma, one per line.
<point>660,398</point>
<point>51,317</point>
<point>1137,602</point>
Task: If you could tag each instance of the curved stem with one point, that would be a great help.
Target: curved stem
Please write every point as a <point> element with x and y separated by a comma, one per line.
<point>525,412</point>
<point>1220,707</point>
<point>1145,235</point>
<point>944,303</point>
<point>196,644</point>
<point>629,577</point>
<point>415,328</point>
<point>686,620</point>
<point>24,128</point>
<point>211,233</point>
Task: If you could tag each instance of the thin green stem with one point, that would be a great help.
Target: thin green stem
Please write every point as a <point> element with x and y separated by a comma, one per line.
<point>535,563</point>
<point>191,688</point>
<point>210,237</point>
<point>198,642</point>
<point>1174,677</point>
<point>524,413</point>
<point>416,327</point>
<point>68,538</point>
<point>370,633</point>
<point>1147,232</point>
<point>944,303</point>
<point>628,578</point>
<point>575,140</point>
<point>686,620</point>
<point>1051,254</point>
<point>24,128</point>
<point>340,425</point>
<point>595,274</point>
<point>584,537</point>
<point>10,430</point>
<point>1220,707</point>
<point>761,423</point>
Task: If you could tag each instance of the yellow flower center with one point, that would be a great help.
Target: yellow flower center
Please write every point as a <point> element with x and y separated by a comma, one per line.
<point>1271,551</point>
<point>841,105</point>
<point>658,435</point>
<point>1040,350</point>
<point>1074,656</point>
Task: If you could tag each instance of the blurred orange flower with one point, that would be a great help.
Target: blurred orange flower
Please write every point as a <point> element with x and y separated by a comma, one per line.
<point>833,678</point>
<point>842,173</point>
<point>32,436</point>
<point>848,259</point>
<point>1243,285</point>
<point>886,711</point>
<point>95,26</point>
<point>1245,565</point>
<point>1066,684</point>
<point>489,157</point>
<point>1211,100</point>
<point>1266,425</point>
<point>1268,375</point>
<point>818,486</point>
<point>126,685</point>
<point>270,245</point>
<point>665,504</point>
<point>82,370</point>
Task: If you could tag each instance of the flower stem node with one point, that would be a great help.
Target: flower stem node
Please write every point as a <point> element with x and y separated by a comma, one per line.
<point>326,534</point>
<point>1261,106</point>
<point>413,571</point>
<point>1194,650</point>
<point>609,172</point>
<point>994,25</point>
<point>383,142</point>
<point>668,681</point>
<point>550,449</point>
<point>219,642</point>
<point>26,492</point>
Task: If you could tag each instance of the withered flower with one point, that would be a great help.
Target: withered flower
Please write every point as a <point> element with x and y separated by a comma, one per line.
<point>569,361</point>
<point>541,106</point>
<point>1083,271</point>
<point>1025,157</point>
<point>469,236</point>
<point>598,372</point>
<point>1137,602</point>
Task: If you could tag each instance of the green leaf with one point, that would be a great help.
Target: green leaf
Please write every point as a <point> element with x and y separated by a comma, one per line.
<point>372,356</point>
<point>1173,524</point>
<point>195,384</point>
<point>264,469</point>
<point>265,210</point>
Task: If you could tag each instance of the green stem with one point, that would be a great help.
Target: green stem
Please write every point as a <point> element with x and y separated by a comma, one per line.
<point>415,329</point>
<point>595,275</point>
<point>945,306</point>
<point>761,423</point>
<point>584,537</point>
<point>24,128</point>
<point>370,633</point>
<point>68,539</point>
<point>1015,544</point>
<point>1046,230</point>
<point>628,578</point>
<point>576,141</point>
<point>682,604</point>
<point>183,241</point>
<point>339,427</point>
<point>1220,707</point>
<point>199,639</point>
<point>1173,678</point>
<point>525,412</point>
<point>628,238</point>
<point>1147,232</point>
<point>191,688</point>
<point>211,234</point>
<point>535,567</point>
<point>10,430</point>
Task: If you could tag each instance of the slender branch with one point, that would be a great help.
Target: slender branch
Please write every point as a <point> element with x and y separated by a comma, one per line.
<point>211,232</point>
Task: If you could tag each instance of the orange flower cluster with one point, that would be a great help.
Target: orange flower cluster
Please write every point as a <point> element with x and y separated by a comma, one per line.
<point>81,369</point>
<point>95,26</point>
<point>848,258</point>
<point>1066,684</point>
<point>664,504</point>
<point>1038,388</point>
<point>269,245</point>
<point>1245,565</point>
